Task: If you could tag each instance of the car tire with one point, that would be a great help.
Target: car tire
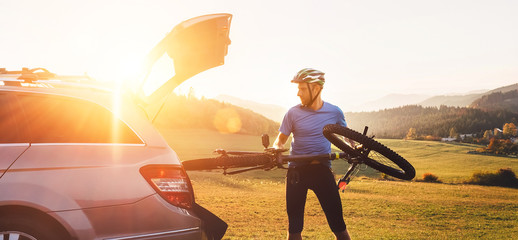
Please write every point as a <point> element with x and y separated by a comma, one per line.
<point>23,227</point>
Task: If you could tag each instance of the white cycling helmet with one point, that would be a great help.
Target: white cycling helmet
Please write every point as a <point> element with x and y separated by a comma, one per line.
<point>309,75</point>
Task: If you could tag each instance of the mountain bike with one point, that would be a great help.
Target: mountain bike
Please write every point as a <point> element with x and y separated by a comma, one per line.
<point>357,149</point>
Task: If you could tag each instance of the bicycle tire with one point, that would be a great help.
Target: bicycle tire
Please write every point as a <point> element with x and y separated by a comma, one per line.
<point>222,162</point>
<point>380,157</point>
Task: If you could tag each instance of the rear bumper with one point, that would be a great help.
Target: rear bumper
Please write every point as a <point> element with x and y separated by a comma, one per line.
<point>149,218</point>
<point>182,234</point>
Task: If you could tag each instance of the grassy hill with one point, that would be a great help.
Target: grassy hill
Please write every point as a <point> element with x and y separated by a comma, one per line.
<point>253,203</point>
<point>449,161</point>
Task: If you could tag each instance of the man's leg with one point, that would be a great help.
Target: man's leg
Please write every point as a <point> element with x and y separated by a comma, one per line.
<point>327,193</point>
<point>344,235</point>
<point>296,193</point>
<point>294,236</point>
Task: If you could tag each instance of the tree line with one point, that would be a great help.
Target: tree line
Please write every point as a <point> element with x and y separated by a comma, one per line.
<point>429,121</point>
<point>182,112</point>
<point>498,100</point>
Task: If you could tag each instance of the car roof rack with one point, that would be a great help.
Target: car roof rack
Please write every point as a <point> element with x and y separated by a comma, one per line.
<point>41,77</point>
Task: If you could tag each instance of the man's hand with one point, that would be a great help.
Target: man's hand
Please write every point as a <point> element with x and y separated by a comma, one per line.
<point>280,141</point>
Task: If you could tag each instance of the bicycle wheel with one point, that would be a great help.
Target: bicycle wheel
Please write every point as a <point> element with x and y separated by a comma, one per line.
<point>221,162</point>
<point>373,153</point>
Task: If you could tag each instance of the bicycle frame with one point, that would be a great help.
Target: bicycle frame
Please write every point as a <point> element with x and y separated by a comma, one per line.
<point>278,159</point>
<point>358,149</point>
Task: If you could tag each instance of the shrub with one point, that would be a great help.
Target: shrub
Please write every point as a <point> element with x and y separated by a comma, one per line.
<point>504,177</point>
<point>430,177</point>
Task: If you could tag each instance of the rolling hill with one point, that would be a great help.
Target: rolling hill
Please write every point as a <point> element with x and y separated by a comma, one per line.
<point>463,100</point>
<point>182,112</point>
<point>392,101</point>
<point>271,111</point>
<point>471,113</point>
<point>498,101</point>
<point>428,121</point>
<point>453,100</point>
<point>435,116</point>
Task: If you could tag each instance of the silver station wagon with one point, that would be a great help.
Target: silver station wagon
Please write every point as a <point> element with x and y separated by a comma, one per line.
<point>79,161</point>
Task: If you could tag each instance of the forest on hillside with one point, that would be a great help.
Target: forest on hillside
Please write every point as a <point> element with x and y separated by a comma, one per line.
<point>182,112</point>
<point>498,100</point>
<point>429,121</point>
<point>486,113</point>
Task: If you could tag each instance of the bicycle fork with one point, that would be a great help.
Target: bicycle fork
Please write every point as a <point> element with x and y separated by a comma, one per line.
<point>353,169</point>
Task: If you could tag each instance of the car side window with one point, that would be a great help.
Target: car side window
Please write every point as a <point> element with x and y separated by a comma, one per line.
<point>9,121</point>
<point>56,119</point>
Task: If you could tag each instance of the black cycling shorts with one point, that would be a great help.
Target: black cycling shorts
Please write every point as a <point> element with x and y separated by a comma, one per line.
<point>320,179</point>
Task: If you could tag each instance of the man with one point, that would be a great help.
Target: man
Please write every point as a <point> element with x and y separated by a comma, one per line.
<point>306,122</point>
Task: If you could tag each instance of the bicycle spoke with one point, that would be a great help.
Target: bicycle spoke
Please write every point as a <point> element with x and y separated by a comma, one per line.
<point>376,156</point>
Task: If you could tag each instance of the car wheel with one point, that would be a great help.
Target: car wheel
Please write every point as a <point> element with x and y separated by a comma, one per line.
<point>28,228</point>
<point>15,235</point>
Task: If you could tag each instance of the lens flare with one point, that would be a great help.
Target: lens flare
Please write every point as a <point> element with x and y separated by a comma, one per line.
<point>227,120</point>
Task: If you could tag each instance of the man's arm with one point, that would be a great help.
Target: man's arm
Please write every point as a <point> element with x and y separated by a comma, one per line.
<point>280,141</point>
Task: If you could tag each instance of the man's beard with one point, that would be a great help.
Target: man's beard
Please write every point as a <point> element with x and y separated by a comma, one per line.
<point>304,103</point>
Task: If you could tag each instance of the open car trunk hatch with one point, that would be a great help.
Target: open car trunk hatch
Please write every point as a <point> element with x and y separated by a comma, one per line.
<point>194,45</point>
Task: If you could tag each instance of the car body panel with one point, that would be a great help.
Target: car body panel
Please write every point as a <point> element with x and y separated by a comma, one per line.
<point>58,180</point>
<point>9,153</point>
<point>135,219</point>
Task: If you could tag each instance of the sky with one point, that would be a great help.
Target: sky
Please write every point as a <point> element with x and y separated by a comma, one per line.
<point>368,49</point>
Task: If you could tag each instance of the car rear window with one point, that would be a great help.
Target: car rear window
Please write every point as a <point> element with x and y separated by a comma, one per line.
<point>9,123</point>
<point>56,119</point>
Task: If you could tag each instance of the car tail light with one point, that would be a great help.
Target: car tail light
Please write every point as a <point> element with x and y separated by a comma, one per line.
<point>171,183</point>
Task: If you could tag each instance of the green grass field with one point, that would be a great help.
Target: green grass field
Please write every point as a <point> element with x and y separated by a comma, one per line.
<point>253,203</point>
